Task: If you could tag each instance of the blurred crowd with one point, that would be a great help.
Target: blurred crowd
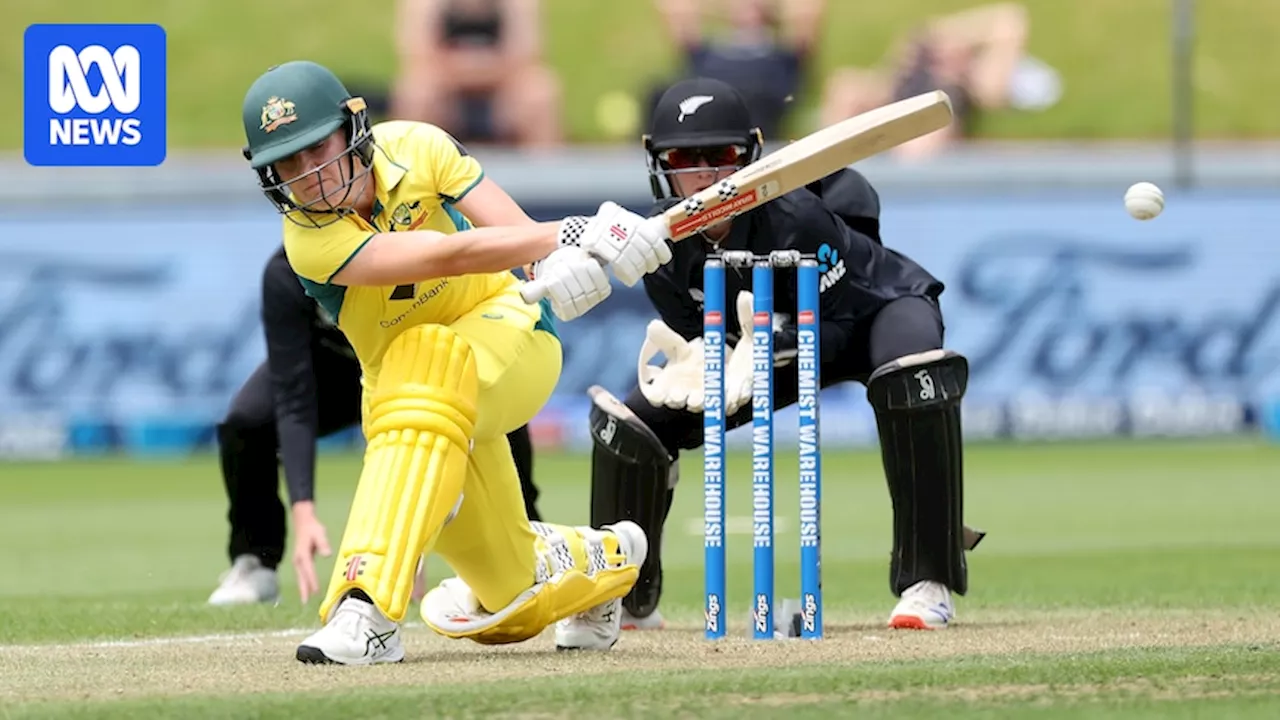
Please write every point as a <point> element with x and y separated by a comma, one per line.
<point>477,67</point>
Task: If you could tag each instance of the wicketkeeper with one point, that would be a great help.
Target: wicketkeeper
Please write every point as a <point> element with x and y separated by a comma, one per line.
<point>881,325</point>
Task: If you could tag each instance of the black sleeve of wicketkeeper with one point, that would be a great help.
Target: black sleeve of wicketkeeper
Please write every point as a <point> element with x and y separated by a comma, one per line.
<point>288,322</point>
<point>668,286</point>
<point>670,296</point>
<point>801,222</point>
<point>674,305</point>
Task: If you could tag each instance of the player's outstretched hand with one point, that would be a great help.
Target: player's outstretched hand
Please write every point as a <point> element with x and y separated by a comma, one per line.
<point>575,281</point>
<point>738,370</point>
<point>632,245</point>
<point>678,384</point>
<point>309,539</point>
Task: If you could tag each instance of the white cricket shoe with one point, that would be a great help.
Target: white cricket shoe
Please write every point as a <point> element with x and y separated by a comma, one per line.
<point>926,605</point>
<point>599,627</point>
<point>247,582</point>
<point>653,621</point>
<point>356,634</point>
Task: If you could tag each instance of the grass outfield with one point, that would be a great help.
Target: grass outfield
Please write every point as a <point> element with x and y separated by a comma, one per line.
<point>1133,580</point>
<point>1114,57</point>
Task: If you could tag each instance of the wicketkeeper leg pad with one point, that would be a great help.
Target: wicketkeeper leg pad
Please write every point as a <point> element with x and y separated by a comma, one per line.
<point>577,568</point>
<point>916,399</point>
<point>422,412</point>
<point>632,478</point>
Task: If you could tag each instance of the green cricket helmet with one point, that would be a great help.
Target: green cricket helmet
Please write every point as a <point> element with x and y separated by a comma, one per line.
<point>292,107</point>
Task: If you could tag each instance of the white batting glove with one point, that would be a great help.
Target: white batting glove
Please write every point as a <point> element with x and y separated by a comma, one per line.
<point>739,370</point>
<point>575,281</point>
<point>678,385</point>
<point>631,245</point>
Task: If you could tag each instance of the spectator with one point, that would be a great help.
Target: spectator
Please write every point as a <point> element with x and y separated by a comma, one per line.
<point>977,56</point>
<point>474,68</point>
<point>764,54</point>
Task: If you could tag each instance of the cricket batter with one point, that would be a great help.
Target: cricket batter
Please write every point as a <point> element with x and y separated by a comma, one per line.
<point>379,229</point>
<point>307,388</point>
<point>881,326</point>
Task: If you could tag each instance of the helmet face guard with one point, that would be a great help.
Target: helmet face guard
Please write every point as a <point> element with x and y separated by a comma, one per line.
<point>328,207</point>
<point>699,125</point>
<point>720,153</point>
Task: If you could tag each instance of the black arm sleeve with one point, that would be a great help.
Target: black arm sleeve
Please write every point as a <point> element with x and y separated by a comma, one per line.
<point>673,302</point>
<point>813,229</point>
<point>287,318</point>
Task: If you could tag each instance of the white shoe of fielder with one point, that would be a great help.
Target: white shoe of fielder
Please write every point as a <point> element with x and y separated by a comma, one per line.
<point>926,605</point>
<point>600,627</point>
<point>246,583</point>
<point>356,634</point>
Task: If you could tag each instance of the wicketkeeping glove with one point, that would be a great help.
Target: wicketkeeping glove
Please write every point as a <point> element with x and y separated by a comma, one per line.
<point>678,385</point>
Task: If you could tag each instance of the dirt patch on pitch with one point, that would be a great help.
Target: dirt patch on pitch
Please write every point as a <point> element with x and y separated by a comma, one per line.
<point>220,666</point>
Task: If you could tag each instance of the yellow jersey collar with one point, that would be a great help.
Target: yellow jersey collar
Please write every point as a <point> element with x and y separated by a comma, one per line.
<point>387,173</point>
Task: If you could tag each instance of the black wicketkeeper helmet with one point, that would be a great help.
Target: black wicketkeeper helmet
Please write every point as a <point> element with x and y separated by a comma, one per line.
<point>696,121</point>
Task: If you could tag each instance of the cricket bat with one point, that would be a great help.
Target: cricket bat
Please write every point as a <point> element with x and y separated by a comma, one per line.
<point>793,166</point>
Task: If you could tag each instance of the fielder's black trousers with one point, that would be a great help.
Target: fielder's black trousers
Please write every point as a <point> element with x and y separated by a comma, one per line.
<point>256,512</point>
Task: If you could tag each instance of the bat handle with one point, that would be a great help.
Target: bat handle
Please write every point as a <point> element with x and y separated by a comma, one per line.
<point>533,291</point>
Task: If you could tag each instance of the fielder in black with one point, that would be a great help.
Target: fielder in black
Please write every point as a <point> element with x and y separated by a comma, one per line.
<point>308,388</point>
<point>881,325</point>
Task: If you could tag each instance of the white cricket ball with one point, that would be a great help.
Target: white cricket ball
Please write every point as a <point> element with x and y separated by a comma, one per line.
<point>1144,200</point>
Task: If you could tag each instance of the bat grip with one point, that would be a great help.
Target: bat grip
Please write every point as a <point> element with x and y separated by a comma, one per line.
<point>533,291</point>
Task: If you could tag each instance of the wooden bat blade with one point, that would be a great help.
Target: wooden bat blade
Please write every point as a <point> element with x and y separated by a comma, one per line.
<point>810,158</point>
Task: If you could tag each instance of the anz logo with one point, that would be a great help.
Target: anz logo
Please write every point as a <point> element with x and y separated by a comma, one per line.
<point>831,265</point>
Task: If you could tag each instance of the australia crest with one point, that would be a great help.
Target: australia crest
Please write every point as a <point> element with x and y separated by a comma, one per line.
<point>277,112</point>
<point>402,216</point>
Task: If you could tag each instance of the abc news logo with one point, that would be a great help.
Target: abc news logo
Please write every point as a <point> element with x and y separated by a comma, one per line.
<point>95,95</point>
<point>69,89</point>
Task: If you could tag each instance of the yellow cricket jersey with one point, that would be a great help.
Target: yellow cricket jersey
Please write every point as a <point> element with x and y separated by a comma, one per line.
<point>419,173</point>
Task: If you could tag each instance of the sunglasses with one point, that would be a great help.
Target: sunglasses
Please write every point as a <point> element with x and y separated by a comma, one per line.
<point>685,158</point>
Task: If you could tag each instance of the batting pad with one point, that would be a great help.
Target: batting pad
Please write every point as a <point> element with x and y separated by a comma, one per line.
<point>421,417</point>
<point>578,568</point>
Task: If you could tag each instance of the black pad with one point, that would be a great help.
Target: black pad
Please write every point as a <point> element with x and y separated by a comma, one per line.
<point>917,404</point>
<point>632,478</point>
